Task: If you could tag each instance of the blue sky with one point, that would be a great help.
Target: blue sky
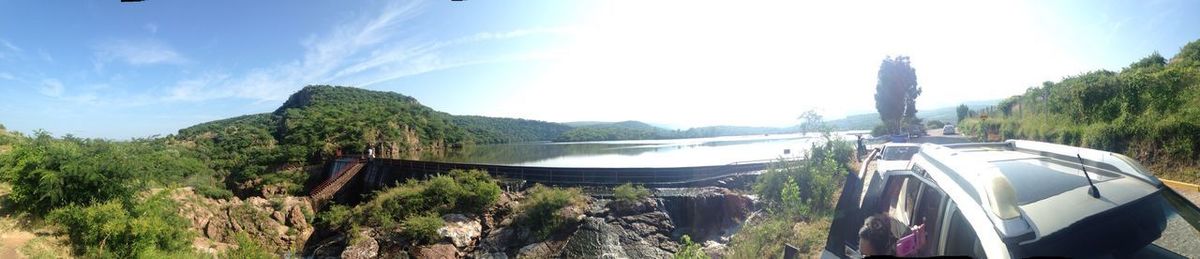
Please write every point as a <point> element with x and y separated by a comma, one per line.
<point>105,69</point>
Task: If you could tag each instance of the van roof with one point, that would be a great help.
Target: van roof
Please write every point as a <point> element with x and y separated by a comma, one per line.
<point>1051,190</point>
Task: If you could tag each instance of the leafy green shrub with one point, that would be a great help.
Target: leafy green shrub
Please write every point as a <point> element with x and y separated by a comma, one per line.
<point>48,173</point>
<point>480,190</point>
<point>689,249</point>
<point>766,238</point>
<point>336,217</point>
<point>116,229</point>
<point>542,209</point>
<point>805,187</point>
<point>630,193</point>
<point>460,191</point>
<point>422,229</point>
<point>247,248</point>
<point>208,186</point>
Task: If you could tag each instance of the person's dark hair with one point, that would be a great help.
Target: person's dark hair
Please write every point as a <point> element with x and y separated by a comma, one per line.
<point>877,230</point>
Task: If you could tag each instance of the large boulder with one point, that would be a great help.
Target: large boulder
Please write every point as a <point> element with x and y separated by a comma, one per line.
<point>622,207</point>
<point>461,231</point>
<point>594,239</point>
<point>437,251</point>
<point>364,247</point>
<point>547,249</point>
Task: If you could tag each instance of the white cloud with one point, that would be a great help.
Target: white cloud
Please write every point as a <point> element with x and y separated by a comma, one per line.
<point>7,49</point>
<point>137,52</point>
<point>7,76</point>
<point>52,87</point>
<point>8,45</point>
<point>361,52</point>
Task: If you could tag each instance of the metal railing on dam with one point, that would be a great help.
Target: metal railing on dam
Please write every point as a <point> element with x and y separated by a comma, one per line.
<point>386,172</point>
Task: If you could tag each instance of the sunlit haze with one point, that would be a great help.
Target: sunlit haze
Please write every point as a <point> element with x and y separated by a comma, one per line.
<point>106,69</point>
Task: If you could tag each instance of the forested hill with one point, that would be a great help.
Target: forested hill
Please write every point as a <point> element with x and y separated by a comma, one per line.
<point>625,130</point>
<point>636,130</point>
<point>486,130</point>
<point>1149,110</point>
<point>319,120</point>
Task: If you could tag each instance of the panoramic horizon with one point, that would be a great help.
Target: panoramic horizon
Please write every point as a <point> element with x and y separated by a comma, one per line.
<point>113,70</point>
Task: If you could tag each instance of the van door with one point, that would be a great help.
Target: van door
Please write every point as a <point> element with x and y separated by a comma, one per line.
<point>883,193</point>
<point>843,239</point>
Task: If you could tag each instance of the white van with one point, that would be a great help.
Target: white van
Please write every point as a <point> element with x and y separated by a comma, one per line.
<point>1019,199</point>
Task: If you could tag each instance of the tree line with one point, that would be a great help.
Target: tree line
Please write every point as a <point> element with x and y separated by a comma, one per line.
<point>1149,110</point>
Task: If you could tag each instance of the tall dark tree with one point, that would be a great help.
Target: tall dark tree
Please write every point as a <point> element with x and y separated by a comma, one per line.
<point>963,111</point>
<point>896,92</point>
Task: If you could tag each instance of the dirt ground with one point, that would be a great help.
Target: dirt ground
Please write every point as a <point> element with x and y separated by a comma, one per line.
<point>19,239</point>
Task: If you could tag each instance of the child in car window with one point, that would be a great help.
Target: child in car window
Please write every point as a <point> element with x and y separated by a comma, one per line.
<point>875,236</point>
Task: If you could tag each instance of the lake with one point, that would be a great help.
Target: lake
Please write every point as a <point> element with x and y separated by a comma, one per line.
<point>638,153</point>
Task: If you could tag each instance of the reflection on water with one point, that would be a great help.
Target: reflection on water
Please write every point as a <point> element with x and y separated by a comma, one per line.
<point>636,153</point>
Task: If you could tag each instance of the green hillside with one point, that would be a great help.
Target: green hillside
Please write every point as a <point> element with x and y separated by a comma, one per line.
<point>625,130</point>
<point>1149,110</point>
<point>271,149</point>
<point>636,130</point>
<point>489,130</point>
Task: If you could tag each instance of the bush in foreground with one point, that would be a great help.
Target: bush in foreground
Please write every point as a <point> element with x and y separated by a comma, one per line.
<point>460,191</point>
<point>247,248</point>
<point>630,193</point>
<point>804,188</point>
<point>116,229</point>
<point>766,239</point>
<point>689,249</point>
<point>543,208</point>
<point>422,229</point>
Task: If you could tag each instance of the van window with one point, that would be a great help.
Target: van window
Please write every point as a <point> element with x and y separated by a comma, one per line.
<point>902,195</point>
<point>961,239</point>
<point>928,211</point>
<point>899,152</point>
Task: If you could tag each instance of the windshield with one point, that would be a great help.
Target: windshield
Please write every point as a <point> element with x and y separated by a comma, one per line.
<point>1182,233</point>
<point>899,153</point>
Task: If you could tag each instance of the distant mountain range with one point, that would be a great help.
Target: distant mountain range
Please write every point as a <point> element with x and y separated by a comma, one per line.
<point>320,119</point>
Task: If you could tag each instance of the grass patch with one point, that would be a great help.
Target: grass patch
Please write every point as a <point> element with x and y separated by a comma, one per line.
<point>45,247</point>
<point>766,238</point>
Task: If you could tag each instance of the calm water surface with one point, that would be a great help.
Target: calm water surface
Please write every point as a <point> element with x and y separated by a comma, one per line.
<point>639,153</point>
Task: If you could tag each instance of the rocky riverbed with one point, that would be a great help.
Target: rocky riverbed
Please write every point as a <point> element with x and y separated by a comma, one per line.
<point>604,228</point>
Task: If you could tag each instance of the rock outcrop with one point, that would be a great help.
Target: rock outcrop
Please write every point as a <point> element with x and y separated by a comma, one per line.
<point>282,222</point>
<point>437,251</point>
<point>365,247</point>
<point>460,230</point>
<point>708,213</point>
<point>644,228</point>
